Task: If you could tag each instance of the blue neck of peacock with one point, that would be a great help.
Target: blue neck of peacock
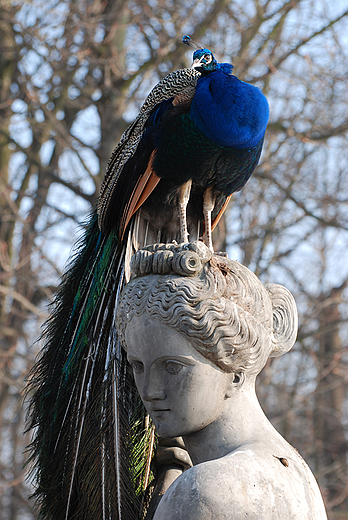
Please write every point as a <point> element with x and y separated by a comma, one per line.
<point>228,111</point>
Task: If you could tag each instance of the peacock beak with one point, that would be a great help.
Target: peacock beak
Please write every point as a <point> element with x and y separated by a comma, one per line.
<point>196,63</point>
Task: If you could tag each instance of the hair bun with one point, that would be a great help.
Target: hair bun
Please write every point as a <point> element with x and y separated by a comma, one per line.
<point>285,319</point>
<point>182,259</point>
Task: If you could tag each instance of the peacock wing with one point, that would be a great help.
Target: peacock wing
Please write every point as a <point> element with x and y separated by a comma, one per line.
<point>181,83</point>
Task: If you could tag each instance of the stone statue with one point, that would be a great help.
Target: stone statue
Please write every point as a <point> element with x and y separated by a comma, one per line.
<point>198,329</point>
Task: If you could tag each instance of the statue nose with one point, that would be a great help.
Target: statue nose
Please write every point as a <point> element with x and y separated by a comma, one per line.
<point>153,387</point>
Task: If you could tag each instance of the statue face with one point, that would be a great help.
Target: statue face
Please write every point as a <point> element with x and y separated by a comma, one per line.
<point>182,391</point>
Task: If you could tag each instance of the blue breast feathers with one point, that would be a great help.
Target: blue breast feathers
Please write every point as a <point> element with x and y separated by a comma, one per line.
<point>228,111</point>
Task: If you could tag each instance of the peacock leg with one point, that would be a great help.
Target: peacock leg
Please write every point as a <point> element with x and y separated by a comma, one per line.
<point>208,206</point>
<point>184,197</point>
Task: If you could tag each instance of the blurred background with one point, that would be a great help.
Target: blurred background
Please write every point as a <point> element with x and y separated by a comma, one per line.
<point>73,74</point>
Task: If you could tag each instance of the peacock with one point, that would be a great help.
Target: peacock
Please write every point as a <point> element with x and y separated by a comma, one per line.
<point>197,139</point>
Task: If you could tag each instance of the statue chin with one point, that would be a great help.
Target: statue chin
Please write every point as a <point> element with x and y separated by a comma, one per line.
<point>198,329</point>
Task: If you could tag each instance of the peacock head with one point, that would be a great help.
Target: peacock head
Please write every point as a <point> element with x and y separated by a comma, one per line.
<point>204,61</point>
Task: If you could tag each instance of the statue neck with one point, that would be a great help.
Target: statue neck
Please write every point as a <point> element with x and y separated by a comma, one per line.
<point>241,422</point>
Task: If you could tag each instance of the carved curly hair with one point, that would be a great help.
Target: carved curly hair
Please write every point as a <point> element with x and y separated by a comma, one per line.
<point>220,306</point>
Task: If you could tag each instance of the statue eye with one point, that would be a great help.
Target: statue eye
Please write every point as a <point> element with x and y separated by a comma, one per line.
<point>137,367</point>
<point>173,367</point>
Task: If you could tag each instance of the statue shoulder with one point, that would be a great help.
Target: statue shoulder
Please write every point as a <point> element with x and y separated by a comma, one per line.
<point>244,482</point>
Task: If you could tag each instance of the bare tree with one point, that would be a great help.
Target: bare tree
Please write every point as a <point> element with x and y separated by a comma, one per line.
<point>72,75</point>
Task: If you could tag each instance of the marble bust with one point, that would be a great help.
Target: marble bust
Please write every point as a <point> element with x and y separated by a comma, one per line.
<point>198,328</point>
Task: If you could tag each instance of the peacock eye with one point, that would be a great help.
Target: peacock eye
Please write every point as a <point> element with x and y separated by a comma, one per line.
<point>173,367</point>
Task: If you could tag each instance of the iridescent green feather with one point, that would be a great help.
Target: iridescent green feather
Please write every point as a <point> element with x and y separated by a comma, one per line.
<point>81,373</point>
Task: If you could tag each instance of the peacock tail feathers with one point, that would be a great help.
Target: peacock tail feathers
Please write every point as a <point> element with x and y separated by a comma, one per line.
<point>84,405</point>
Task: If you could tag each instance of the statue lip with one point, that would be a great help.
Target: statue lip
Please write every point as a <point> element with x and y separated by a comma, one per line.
<point>160,410</point>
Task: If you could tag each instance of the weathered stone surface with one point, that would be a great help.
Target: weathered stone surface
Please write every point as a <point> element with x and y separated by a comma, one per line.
<point>197,336</point>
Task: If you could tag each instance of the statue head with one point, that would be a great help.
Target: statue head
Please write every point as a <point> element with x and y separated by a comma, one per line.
<point>217,304</point>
